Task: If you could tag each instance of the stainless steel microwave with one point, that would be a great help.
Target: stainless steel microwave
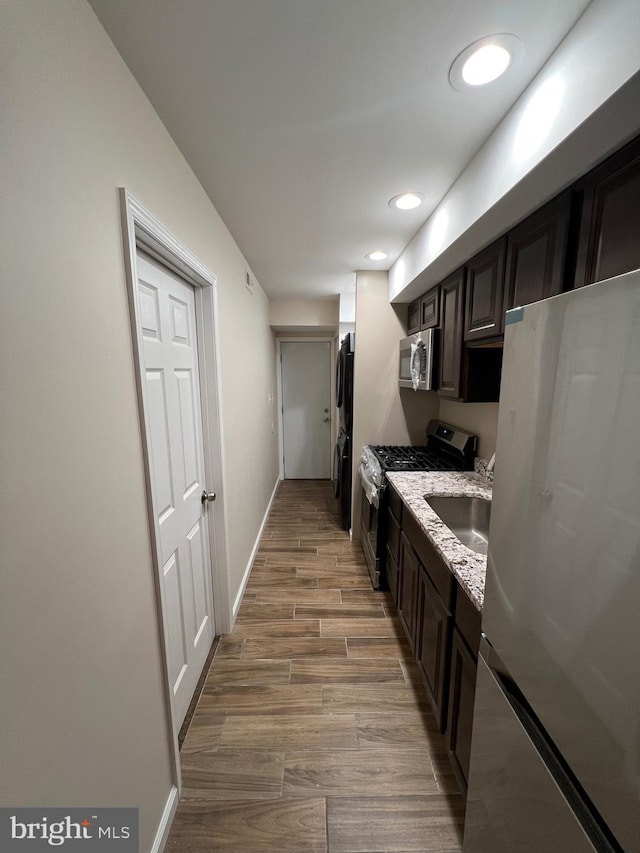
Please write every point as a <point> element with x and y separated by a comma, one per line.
<point>417,361</point>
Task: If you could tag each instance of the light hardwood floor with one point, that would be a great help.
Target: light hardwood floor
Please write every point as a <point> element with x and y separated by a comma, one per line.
<point>313,733</point>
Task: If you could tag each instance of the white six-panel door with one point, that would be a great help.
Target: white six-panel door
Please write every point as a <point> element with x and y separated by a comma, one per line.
<point>168,328</point>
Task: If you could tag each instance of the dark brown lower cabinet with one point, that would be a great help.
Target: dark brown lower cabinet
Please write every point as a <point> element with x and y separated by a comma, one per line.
<point>462,691</point>
<point>393,543</point>
<point>443,628</point>
<point>392,576</point>
<point>407,588</point>
<point>433,644</point>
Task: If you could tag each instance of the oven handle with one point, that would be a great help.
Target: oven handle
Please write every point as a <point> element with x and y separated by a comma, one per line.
<point>371,488</point>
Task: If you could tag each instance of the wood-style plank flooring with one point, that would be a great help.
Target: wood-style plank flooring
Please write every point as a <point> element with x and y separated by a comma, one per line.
<point>313,733</point>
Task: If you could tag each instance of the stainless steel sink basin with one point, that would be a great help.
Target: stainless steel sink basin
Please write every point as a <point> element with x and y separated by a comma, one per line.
<point>466,518</point>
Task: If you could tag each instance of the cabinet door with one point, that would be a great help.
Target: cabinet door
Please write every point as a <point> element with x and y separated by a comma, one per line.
<point>462,691</point>
<point>394,514</point>
<point>407,583</point>
<point>430,309</point>
<point>433,646</point>
<point>393,536</point>
<point>413,317</point>
<point>392,576</point>
<point>536,252</point>
<point>609,244</point>
<point>484,315</point>
<point>452,314</point>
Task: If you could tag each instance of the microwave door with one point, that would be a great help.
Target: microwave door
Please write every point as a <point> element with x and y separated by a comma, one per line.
<point>404,369</point>
<point>419,359</point>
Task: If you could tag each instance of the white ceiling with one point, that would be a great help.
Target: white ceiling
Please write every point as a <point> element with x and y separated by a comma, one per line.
<point>302,118</point>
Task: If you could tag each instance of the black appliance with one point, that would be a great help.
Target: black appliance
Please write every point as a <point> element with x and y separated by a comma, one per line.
<point>448,449</point>
<point>343,453</point>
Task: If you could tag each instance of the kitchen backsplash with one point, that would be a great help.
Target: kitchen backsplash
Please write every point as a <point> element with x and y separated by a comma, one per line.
<point>480,467</point>
<point>481,419</point>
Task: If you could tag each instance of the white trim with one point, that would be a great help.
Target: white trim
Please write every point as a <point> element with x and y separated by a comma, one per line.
<point>332,376</point>
<point>254,550</point>
<point>141,231</point>
<point>164,827</point>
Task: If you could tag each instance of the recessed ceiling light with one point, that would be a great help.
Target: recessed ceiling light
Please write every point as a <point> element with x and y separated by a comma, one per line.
<point>485,60</point>
<point>406,201</point>
<point>378,255</point>
<point>485,65</point>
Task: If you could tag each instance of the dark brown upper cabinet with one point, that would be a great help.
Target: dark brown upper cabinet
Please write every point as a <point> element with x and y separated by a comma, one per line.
<point>536,254</point>
<point>424,313</point>
<point>484,315</point>
<point>609,241</point>
<point>430,308</point>
<point>451,334</point>
<point>413,316</point>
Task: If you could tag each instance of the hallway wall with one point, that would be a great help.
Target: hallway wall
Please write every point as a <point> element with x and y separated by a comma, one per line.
<point>82,702</point>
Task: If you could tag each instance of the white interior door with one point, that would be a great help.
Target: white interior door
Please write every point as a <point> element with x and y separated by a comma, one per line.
<point>168,329</point>
<point>306,403</point>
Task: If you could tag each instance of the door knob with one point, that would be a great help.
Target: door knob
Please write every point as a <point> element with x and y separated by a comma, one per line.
<point>208,496</point>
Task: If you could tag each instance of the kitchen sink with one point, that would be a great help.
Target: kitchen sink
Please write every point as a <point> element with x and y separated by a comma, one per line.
<point>466,518</point>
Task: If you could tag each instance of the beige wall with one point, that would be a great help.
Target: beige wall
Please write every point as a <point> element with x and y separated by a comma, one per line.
<point>82,698</point>
<point>481,419</point>
<point>382,414</point>
<point>303,313</point>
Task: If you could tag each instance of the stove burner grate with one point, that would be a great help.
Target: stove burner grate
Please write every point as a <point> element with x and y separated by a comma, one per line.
<point>401,458</point>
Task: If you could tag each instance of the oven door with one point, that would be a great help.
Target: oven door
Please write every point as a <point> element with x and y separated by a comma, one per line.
<point>368,536</point>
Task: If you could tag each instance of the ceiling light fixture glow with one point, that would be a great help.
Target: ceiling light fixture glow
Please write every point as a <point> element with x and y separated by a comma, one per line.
<point>485,65</point>
<point>377,255</point>
<point>485,60</point>
<point>407,201</point>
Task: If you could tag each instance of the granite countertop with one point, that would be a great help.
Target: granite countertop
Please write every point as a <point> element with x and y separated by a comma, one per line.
<point>468,567</point>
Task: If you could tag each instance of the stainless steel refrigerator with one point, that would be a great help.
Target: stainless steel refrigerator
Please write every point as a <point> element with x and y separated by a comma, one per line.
<point>555,760</point>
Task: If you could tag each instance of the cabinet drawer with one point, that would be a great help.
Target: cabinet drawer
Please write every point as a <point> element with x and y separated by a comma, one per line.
<point>436,568</point>
<point>468,619</point>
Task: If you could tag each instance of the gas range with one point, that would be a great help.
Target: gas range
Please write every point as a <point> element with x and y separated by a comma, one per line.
<point>403,458</point>
<point>447,449</point>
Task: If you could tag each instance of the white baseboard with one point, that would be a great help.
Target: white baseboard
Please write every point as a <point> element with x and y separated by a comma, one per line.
<point>164,827</point>
<point>247,571</point>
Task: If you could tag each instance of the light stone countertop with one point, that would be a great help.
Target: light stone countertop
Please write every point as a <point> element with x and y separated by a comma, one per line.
<point>467,567</point>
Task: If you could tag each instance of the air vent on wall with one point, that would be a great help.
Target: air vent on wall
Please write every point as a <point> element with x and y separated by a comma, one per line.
<point>249,283</point>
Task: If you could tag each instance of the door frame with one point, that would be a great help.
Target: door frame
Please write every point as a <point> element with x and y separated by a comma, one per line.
<point>142,232</point>
<point>307,339</point>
